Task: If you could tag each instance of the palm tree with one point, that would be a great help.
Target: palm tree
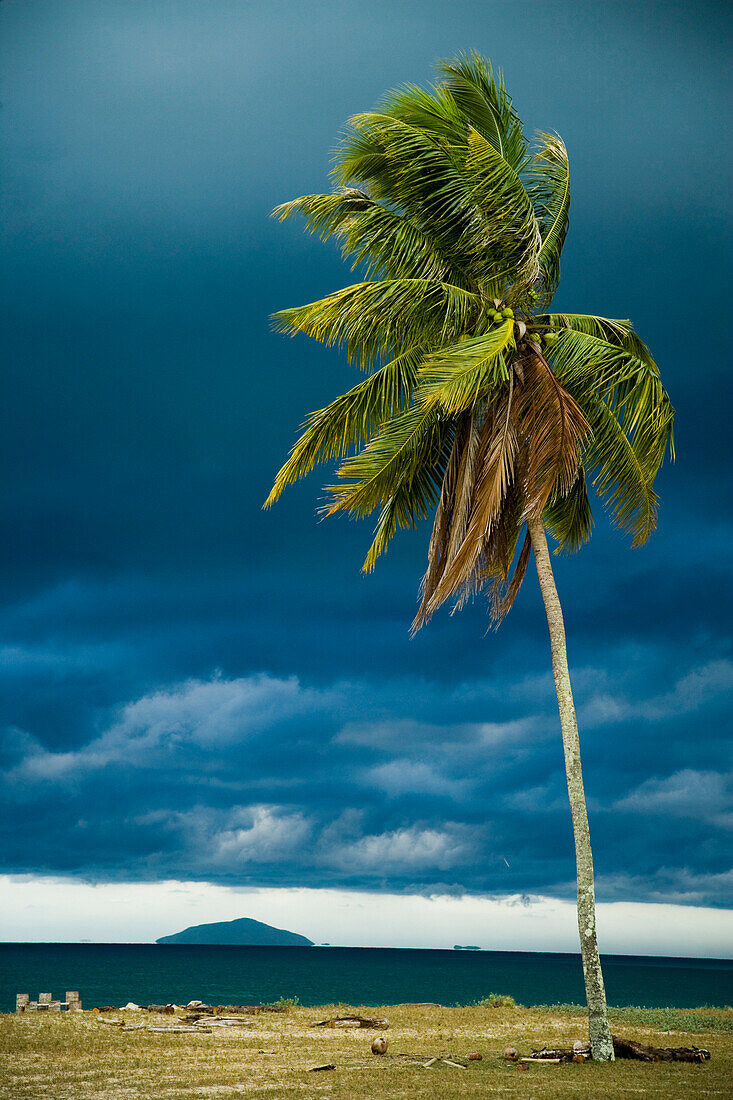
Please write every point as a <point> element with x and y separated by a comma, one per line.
<point>479,404</point>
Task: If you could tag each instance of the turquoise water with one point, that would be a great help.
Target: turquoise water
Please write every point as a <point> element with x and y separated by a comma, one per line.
<point>112,974</point>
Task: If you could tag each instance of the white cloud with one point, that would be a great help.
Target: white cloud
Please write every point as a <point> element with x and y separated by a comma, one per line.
<point>205,714</point>
<point>235,837</point>
<point>696,689</point>
<point>404,776</point>
<point>687,793</point>
<point>407,849</point>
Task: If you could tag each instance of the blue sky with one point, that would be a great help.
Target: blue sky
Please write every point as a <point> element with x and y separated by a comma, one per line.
<point>195,689</point>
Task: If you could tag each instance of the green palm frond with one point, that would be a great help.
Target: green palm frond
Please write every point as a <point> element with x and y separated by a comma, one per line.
<point>396,453</point>
<point>414,494</point>
<point>383,239</point>
<point>377,320</point>
<point>435,112</point>
<point>569,518</point>
<point>458,376</point>
<point>514,237</point>
<point>324,214</point>
<point>630,385</point>
<point>428,181</point>
<point>631,420</point>
<point>606,329</point>
<point>619,476</point>
<point>410,168</point>
<point>550,194</point>
<point>351,420</point>
<point>486,105</point>
<point>389,244</point>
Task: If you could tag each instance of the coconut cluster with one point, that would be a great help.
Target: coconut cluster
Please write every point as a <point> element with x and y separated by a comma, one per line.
<point>549,339</point>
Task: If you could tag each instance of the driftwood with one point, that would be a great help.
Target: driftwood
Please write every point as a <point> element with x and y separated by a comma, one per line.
<point>626,1048</point>
<point>180,1030</point>
<point>167,1009</point>
<point>353,1021</point>
<point>623,1048</point>
<point>224,1021</point>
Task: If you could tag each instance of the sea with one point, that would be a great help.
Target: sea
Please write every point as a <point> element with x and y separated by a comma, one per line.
<point>113,974</point>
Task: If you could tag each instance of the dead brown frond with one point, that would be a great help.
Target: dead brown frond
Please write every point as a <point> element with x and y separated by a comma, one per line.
<point>553,428</point>
<point>507,461</point>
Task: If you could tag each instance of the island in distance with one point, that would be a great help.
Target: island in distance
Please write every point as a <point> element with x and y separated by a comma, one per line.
<point>242,931</point>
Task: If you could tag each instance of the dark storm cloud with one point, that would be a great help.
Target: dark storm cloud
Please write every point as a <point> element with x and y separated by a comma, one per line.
<point>265,779</point>
<point>199,688</point>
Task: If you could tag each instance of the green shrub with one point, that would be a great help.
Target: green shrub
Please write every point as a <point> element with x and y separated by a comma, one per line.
<point>497,1000</point>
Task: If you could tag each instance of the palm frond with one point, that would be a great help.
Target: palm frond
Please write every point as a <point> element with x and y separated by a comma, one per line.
<point>351,420</point>
<point>414,495</point>
<point>569,517</point>
<point>550,194</point>
<point>604,328</point>
<point>325,214</point>
<point>413,171</point>
<point>377,320</point>
<point>391,245</point>
<point>484,101</point>
<point>494,472</point>
<point>435,111</point>
<point>553,429</point>
<point>429,181</point>
<point>397,452</point>
<point>628,381</point>
<point>504,591</point>
<point>458,376</point>
<point>500,194</point>
<point>619,476</point>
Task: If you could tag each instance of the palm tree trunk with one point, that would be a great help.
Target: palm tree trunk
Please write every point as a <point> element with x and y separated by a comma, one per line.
<point>600,1032</point>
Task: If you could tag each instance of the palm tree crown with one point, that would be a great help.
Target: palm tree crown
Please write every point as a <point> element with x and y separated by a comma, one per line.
<point>478,403</point>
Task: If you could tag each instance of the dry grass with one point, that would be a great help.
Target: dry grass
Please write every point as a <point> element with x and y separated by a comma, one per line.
<point>75,1056</point>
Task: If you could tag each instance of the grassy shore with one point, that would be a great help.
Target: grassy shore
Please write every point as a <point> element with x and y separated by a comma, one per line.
<point>271,1055</point>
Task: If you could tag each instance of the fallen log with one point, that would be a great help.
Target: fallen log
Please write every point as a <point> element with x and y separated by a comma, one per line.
<point>627,1048</point>
<point>352,1021</point>
<point>624,1048</point>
